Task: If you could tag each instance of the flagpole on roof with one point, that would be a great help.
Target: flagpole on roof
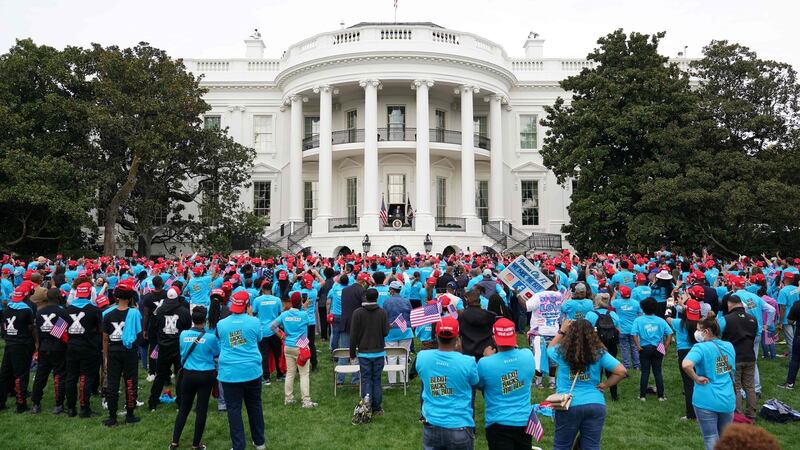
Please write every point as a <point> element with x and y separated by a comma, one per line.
<point>395,12</point>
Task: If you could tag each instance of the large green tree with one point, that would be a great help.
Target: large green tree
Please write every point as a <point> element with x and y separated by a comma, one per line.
<point>626,124</point>
<point>46,187</point>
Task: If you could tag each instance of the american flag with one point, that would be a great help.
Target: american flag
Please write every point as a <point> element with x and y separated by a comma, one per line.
<point>59,330</point>
<point>384,214</point>
<point>154,353</point>
<point>302,341</point>
<point>400,323</point>
<point>425,315</point>
<point>769,338</point>
<point>170,280</point>
<point>661,349</point>
<point>451,308</point>
<point>534,427</point>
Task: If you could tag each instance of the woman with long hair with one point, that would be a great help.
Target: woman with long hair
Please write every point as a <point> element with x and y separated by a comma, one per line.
<point>581,357</point>
<point>608,329</point>
<point>684,338</point>
<point>709,364</point>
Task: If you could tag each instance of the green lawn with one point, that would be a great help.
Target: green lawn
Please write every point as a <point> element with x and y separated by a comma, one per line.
<point>629,424</point>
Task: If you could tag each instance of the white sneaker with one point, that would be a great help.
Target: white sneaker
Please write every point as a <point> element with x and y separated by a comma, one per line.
<point>310,404</point>
<point>104,403</point>
<point>150,378</point>
<point>260,447</point>
<point>662,399</point>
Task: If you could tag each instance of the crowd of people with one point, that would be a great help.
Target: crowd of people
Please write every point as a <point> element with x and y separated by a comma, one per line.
<point>222,326</point>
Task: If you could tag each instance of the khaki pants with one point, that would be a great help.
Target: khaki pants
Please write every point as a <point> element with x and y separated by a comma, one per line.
<point>744,378</point>
<point>406,344</point>
<point>291,354</point>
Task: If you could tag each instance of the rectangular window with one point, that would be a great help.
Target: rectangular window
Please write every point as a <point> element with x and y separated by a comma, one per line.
<point>530,202</point>
<point>262,198</point>
<point>351,124</point>
<point>441,199</point>
<point>263,134</point>
<point>396,122</point>
<point>527,132</point>
<point>209,206</point>
<point>161,216</point>
<point>396,185</point>
<point>352,200</point>
<point>438,134</point>
<point>309,201</point>
<point>311,126</point>
<point>480,126</point>
<point>212,122</point>
<point>482,199</point>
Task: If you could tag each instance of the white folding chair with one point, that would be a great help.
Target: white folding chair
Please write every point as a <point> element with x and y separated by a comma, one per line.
<point>342,368</point>
<point>400,369</point>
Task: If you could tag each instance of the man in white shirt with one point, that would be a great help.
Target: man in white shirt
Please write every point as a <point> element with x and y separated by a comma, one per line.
<point>545,309</point>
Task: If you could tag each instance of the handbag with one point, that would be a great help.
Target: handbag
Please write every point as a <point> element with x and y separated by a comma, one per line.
<point>561,402</point>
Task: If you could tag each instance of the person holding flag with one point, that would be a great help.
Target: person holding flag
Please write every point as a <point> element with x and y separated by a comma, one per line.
<point>294,324</point>
<point>505,379</point>
<point>51,327</point>
<point>398,313</point>
<point>17,330</point>
<point>367,333</point>
<point>83,350</point>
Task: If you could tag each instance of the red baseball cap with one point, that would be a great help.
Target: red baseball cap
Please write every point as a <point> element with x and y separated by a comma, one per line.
<point>788,275</point>
<point>198,270</point>
<point>693,309</point>
<point>710,263</point>
<point>364,276</point>
<point>447,328</point>
<point>504,333</point>
<point>227,286</point>
<point>296,299</point>
<point>697,292</point>
<point>101,301</point>
<point>239,302</point>
<point>18,295</point>
<point>84,290</point>
<point>218,292</point>
<point>641,277</point>
<point>625,291</point>
<point>126,284</point>
<point>282,275</point>
<point>737,282</point>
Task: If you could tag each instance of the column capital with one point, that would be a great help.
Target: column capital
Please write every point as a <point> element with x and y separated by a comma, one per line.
<point>497,98</point>
<point>374,83</point>
<point>233,108</point>
<point>326,88</point>
<point>465,88</point>
<point>418,83</point>
<point>294,98</point>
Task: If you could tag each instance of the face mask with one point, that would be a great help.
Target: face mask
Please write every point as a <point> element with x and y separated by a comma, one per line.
<point>698,336</point>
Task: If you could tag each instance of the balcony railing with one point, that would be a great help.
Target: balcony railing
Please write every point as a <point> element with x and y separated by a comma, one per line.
<point>406,226</point>
<point>342,224</point>
<point>451,224</point>
<point>438,135</point>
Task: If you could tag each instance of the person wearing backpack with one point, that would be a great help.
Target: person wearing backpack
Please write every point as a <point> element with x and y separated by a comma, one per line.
<point>606,323</point>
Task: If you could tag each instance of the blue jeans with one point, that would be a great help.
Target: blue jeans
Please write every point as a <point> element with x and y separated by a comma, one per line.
<point>586,419</point>
<point>248,392</point>
<point>628,349</point>
<point>337,320</point>
<point>344,342</point>
<point>438,438</point>
<point>711,425</point>
<point>371,370</point>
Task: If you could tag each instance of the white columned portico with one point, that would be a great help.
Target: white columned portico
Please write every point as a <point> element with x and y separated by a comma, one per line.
<point>369,214</point>
<point>423,217</point>
<point>325,158</point>
<point>496,197</point>
<point>296,159</point>
<point>468,159</point>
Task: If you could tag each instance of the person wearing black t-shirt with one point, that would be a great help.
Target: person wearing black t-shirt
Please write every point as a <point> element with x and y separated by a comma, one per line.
<point>122,332</point>
<point>82,350</point>
<point>17,330</point>
<point>150,303</point>
<point>171,317</point>
<point>52,351</point>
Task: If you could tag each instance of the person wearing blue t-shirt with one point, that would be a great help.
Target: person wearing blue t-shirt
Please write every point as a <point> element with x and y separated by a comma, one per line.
<point>198,376</point>
<point>294,323</point>
<point>505,379</point>
<point>308,292</point>
<point>267,308</point>
<point>397,307</point>
<point>447,377</point>
<point>578,306</point>
<point>579,373</point>
<point>649,331</point>
<point>240,371</point>
<point>710,364</point>
<point>624,277</point>
<point>334,307</point>
<point>628,310</point>
<point>642,289</point>
<point>788,295</point>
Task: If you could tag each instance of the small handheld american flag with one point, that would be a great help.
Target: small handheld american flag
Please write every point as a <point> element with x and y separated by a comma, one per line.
<point>400,323</point>
<point>425,315</point>
<point>661,349</point>
<point>302,341</point>
<point>59,330</point>
<point>154,353</point>
<point>170,280</point>
<point>534,427</point>
<point>451,308</point>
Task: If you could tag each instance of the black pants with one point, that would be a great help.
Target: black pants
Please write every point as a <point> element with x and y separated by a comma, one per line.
<point>688,385</point>
<point>312,346</point>
<point>14,373</point>
<point>167,359</point>
<point>323,322</point>
<point>267,345</point>
<point>82,367</point>
<point>650,358</point>
<point>194,383</point>
<point>612,350</point>
<point>55,362</point>
<point>126,365</point>
<point>502,437</point>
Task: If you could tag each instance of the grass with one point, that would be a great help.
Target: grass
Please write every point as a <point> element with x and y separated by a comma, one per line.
<point>629,422</point>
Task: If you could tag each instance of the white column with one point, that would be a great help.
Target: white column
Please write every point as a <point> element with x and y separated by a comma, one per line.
<point>496,197</point>
<point>295,183</point>
<point>325,185</point>
<point>369,214</point>
<point>423,217</point>
<point>467,153</point>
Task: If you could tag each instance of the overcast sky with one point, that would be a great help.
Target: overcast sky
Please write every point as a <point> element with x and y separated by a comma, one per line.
<point>215,29</point>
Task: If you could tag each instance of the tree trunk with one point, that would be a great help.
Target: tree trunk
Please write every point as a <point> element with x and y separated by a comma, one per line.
<point>145,246</point>
<point>112,210</point>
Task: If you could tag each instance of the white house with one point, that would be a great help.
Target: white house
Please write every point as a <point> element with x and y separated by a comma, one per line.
<point>395,113</point>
